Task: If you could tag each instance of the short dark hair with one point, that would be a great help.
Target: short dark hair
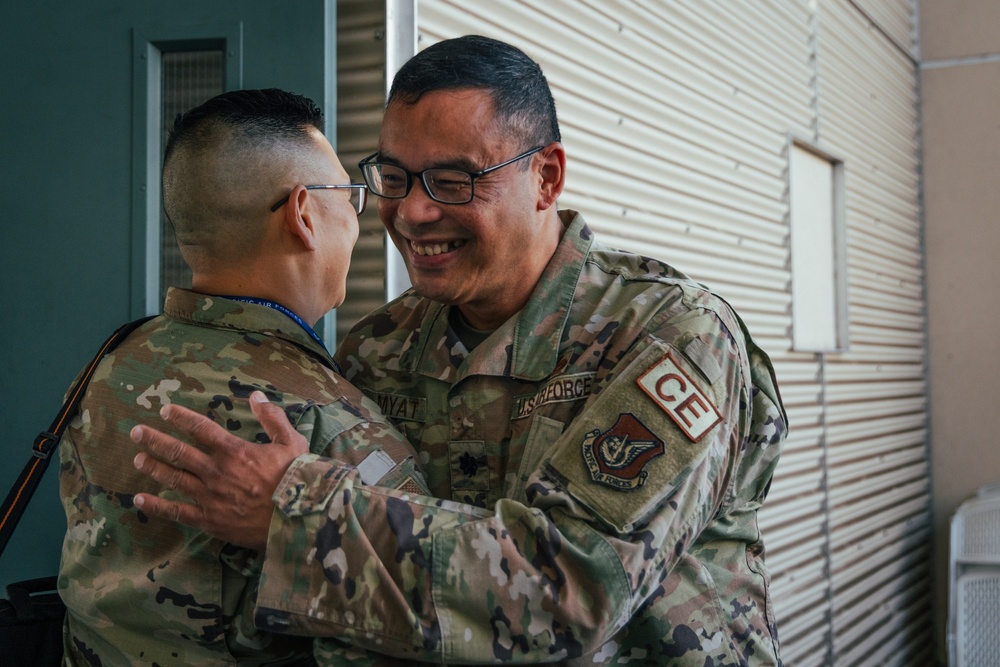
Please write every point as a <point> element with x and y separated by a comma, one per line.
<point>521,95</point>
<point>269,112</point>
<point>221,159</point>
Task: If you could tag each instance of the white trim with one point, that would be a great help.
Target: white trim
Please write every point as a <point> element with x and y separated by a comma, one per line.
<point>838,244</point>
<point>400,46</point>
<point>147,44</point>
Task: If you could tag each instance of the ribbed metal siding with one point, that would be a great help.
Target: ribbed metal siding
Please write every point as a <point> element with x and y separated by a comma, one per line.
<point>360,101</point>
<point>894,18</point>
<point>676,118</point>
<point>878,467</point>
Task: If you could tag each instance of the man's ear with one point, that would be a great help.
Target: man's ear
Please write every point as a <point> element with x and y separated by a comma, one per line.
<point>299,220</point>
<point>553,174</point>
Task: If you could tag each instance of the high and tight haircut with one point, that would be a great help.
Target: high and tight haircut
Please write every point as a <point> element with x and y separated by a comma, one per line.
<point>249,114</point>
<point>522,99</point>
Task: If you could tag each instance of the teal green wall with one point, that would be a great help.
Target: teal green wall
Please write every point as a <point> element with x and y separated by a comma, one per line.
<point>65,196</point>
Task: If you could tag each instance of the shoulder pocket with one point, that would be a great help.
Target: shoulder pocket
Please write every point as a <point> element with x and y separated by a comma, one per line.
<point>637,442</point>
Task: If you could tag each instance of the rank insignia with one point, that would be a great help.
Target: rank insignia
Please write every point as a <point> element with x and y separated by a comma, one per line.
<point>677,394</point>
<point>618,456</point>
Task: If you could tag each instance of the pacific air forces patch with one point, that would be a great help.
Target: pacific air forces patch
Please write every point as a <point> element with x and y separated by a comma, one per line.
<point>618,456</point>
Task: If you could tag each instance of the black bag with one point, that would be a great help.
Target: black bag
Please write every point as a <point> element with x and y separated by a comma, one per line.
<point>31,618</point>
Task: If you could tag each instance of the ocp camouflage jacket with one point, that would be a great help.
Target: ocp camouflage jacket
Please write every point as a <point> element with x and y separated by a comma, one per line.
<point>602,457</point>
<point>151,592</point>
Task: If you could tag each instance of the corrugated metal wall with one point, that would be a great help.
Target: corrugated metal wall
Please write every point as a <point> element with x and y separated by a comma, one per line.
<point>876,422</point>
<point>676,118</point>
<point>360,101</point>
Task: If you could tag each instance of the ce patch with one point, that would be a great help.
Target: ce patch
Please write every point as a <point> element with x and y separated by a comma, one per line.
<point>676,393</point>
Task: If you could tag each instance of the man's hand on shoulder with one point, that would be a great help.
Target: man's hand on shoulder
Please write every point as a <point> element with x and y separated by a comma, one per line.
<point>229,481</point>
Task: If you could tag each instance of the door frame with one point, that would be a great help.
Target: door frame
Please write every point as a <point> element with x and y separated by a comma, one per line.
<point>148,46</point>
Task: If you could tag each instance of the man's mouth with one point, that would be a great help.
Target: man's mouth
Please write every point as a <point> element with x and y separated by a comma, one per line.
<point>435,248</point>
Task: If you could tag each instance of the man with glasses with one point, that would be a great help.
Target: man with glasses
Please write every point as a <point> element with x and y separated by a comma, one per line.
<point>603,429</point>
<point>266,218</point>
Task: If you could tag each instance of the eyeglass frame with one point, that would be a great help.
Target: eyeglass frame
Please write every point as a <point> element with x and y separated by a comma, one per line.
<point>362,196</point>
<point>414,176</point>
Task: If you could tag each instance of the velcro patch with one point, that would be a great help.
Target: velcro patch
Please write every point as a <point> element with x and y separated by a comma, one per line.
<point>617,457</point>
<point>375,466</point>
<point>610,489</point>
<point>679,396</point>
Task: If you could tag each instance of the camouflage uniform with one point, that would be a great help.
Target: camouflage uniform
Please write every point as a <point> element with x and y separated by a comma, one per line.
<point>603,455</point>
<point>141,591</point>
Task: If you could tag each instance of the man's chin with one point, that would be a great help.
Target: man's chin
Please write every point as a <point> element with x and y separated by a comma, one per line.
<point>435,290</point>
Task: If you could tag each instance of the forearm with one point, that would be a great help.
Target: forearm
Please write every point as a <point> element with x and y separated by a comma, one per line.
<point>432,580</point>
<point>353,562</point>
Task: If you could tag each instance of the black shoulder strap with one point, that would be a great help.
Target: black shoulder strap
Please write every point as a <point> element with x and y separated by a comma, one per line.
<point>25,485</point>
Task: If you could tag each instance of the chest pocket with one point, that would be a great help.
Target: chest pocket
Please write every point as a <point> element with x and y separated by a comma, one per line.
<point>470,471</point>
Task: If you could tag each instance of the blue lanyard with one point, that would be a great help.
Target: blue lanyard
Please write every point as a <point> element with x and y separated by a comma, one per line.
<point>281,309</point>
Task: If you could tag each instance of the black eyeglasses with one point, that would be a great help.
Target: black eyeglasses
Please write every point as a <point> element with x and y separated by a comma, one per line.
<point>447,186</point>
<point>359,195</point>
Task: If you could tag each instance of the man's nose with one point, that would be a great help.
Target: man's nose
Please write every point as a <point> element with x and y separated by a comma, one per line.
<point>417,206</point>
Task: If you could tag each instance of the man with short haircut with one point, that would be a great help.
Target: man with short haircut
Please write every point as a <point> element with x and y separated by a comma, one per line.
<point>266,218</point>
<point>612,419</point>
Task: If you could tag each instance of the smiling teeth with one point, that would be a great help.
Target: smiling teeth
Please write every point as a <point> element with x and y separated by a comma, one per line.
<point>436,248</point>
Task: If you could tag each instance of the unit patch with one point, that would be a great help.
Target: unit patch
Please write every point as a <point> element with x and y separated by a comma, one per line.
<point>618,456</point>
<point>676,393</point>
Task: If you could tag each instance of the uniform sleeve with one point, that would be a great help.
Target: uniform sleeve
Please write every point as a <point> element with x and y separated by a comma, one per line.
<point>626,487</point>
<point>353,432</point>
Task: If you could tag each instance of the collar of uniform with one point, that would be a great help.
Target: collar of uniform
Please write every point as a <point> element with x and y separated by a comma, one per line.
<point>531,339</point>
<point>217,311</point>
<point>538,329</point>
